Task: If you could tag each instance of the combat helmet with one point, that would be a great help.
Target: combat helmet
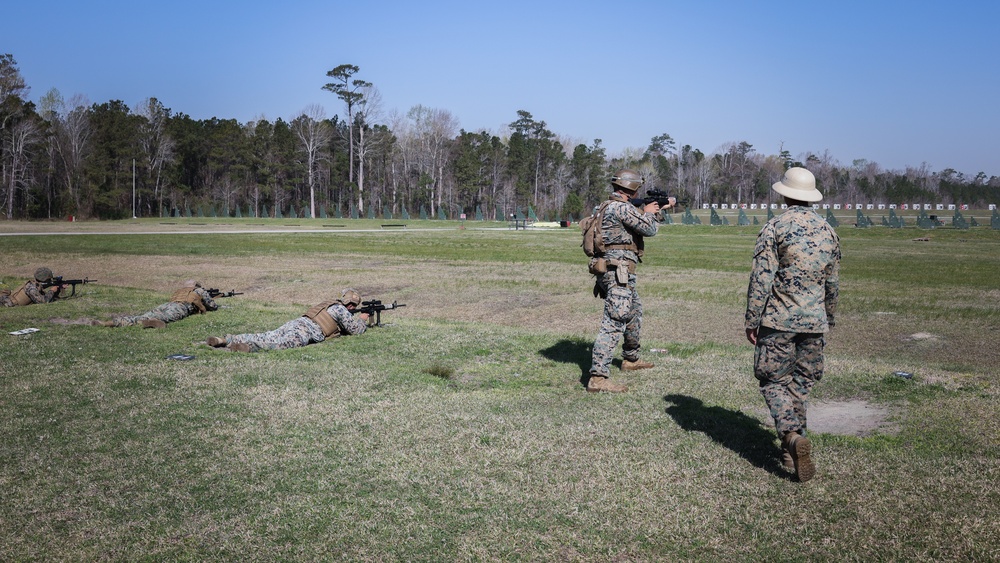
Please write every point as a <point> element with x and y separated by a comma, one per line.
<point>43,274</point>
<point>350,297</point>
<point>627,180</point>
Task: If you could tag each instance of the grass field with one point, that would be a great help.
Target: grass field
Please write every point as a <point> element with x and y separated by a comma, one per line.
<point>460,431</point>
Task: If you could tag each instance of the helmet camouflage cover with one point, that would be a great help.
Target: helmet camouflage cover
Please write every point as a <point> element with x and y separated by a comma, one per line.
<point>627,179</point>
<point>350,297</point>
<point>43,274</point>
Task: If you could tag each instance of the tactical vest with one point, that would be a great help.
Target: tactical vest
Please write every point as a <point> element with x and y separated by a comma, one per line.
<point>20,297</point>
<point>320,316</point>
<point>188,295</point>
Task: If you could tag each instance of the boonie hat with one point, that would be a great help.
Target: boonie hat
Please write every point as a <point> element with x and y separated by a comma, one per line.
<point>798,183</point>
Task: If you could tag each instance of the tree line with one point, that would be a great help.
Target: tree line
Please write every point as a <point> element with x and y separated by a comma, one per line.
<point>110,161</point>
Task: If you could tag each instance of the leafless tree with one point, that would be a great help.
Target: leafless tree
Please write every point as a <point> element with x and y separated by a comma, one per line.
<point>704,177</point>
<point>157,146</point>
<point>24,136</point>
<point>431,131</point>
<point>314,134</point>
<point>369,110</point>
<point>397,156</point>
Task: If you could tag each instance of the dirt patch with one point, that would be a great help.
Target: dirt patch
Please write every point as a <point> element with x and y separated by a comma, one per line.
<point>850,418</point>
<point>922,337</point>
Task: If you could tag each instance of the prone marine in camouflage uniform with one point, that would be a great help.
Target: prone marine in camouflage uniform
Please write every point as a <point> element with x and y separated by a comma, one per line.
<point>186,301</point>
<point>326,320</point>
<point>623,227</point>
<point>791,301</point>
<point>32,291</point>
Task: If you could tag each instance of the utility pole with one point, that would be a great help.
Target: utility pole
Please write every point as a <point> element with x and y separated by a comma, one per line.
<point>133,188</point>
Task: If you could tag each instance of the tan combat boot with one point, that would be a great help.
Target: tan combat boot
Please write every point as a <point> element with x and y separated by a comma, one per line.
<point>632,366</point>
<point>153,323</point>
<point>216,342</point>
<point>786,460</point>
<point>801,449</point>
<point>239,347</point>
<point>598,383</point>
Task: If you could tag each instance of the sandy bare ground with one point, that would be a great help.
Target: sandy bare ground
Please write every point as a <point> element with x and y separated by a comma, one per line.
<point>850,418</point>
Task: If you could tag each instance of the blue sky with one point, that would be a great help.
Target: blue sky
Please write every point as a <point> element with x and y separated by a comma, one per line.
<point>900,83</point>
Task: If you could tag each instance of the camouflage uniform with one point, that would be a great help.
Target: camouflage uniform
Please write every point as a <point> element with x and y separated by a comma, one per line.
<point>622,223</point>
<point>172,311</point>
<point>34,292</point>
<point>791,300</point>
<point>300,332</point>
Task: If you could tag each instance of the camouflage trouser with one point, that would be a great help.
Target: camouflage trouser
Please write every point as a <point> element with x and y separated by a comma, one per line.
<point>788,364</point>
<point>293,334</point>
<point>622,316</point>
<point>5,301</point>
<point>168,313</point>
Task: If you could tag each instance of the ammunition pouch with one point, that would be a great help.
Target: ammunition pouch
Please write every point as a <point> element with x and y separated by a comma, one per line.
<point>20,297</point>
<point>320,316</point>
<point>600,266</point>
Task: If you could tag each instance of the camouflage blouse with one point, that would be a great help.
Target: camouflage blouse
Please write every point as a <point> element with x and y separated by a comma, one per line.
<point>624,223</point>
<point>795,279</point>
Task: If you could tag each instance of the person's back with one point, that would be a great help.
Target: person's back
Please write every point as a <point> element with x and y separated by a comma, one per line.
<point>807,251</point>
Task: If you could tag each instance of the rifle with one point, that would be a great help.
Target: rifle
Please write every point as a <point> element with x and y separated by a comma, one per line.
<point>58,280</point>
<point>214,293</point>
<point>659,196</point>
<point>376,307</point>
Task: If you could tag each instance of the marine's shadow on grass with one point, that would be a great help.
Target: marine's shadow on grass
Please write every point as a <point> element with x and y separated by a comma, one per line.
<point>572,352</point>
<point>734,430</point>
